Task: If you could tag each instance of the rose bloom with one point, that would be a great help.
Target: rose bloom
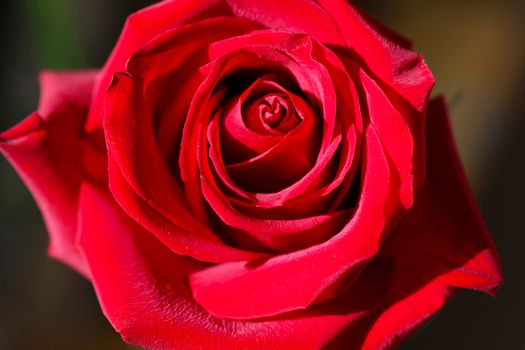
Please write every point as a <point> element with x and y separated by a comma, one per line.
<point>255,175</point>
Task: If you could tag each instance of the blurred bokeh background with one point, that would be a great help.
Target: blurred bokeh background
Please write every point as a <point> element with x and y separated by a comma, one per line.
<point>476,50</point>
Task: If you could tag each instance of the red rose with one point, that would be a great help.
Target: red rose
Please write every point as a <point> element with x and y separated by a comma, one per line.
<point>255,175</point>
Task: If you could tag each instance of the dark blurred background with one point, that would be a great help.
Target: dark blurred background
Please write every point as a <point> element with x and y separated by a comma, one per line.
<point>474,47</point>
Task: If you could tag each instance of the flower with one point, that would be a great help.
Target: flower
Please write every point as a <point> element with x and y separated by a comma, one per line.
<point>255,175</point>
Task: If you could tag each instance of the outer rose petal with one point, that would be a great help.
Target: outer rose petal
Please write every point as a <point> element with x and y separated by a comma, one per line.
<point>395,135</point>
<point>440,245</point>
<point>140,28</point>
<point>404,70</point>
<point>143,290</point>
<point>284,15</point>
<point>339,23</point>
<point>54,156</point>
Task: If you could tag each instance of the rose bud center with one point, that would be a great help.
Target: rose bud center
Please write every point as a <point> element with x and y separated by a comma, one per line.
<point>273,109</point>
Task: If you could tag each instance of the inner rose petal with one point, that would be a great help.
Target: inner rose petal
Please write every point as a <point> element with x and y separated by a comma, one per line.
<point>243,132</point>
<point>341,128</point>
<point>273,109</point>
<point>303,160</point>
<point>293,153</point>
<point>279,74</point>
<point>273,113</point>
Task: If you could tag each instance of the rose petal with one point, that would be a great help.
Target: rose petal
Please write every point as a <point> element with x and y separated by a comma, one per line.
<point>295,280</point>
<point>441,244</point>
<point>284,15</point>
<point>339,23</point>
<point>169,68</point>
<point>229,58</point>
<point>139,29</point>
<point>395,136</point>
<point>153,308</point>
<point>143,184</point>
<point>53,155</point>
<point>279,235</point>
<point>296,53</point>
<point>265,173</point>
<point>238,141</point>
<point>404,70</point>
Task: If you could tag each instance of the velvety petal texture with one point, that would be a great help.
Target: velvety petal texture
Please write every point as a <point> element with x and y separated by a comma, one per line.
<point>240,176</point>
